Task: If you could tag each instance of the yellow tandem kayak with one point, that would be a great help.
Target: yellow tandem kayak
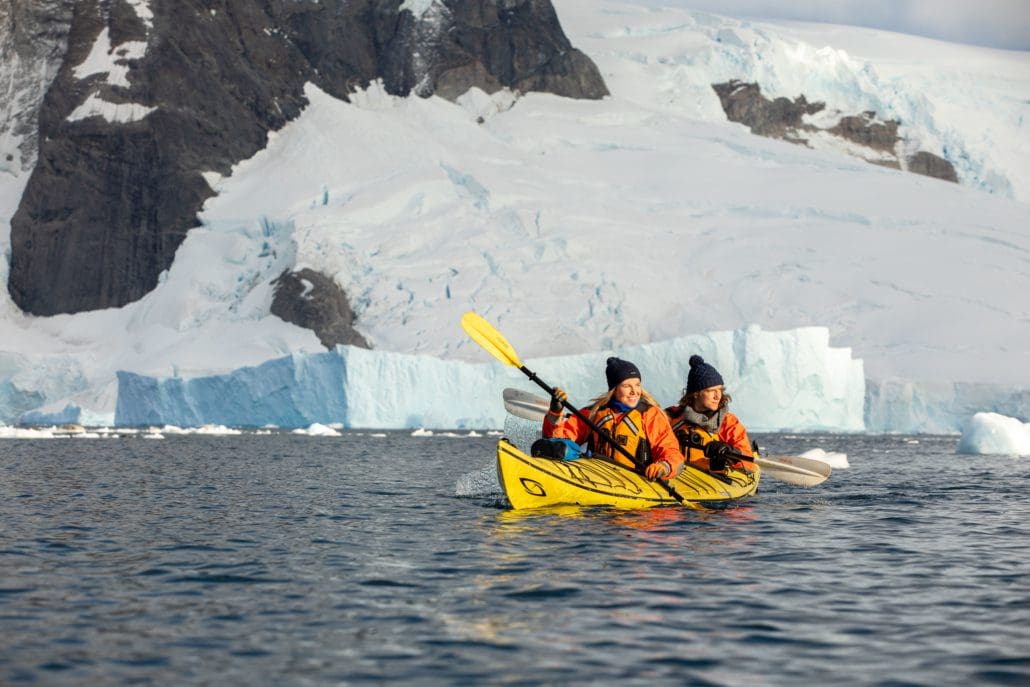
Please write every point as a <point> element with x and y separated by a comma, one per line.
<point>532,482</point>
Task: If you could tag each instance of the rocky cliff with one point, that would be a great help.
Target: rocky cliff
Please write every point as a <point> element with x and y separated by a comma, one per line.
<point>873,140</point>
<point>150,95</point>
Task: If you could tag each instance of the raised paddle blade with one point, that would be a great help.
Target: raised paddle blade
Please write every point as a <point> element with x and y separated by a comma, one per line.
<point>525,405</point>
<point>484,334</point>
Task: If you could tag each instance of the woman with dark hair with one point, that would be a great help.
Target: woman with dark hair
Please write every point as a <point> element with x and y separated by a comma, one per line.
<point>710,436</point>
<point>629,415</point>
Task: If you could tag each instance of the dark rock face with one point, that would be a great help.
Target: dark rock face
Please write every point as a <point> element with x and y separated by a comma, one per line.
<point>932,166</point>
<point>783,118</point>
<point>744,103</point>
<point>864,131</point>
<point>314,301</point>
<point>33,41</point>
<point>198,86</point>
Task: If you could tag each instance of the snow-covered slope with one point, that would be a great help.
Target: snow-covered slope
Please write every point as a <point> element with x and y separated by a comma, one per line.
<point>967,104</point>
<point>583,227</point>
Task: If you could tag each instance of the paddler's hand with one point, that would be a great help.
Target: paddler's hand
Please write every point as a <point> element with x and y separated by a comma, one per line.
<point>657,470</point>
<point>720,454</point>
<point>557,399</point>
<point>718,449</point>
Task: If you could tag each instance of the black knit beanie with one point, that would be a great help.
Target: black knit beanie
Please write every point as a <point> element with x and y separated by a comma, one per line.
<point>702,375</point>
<point>618,371</point>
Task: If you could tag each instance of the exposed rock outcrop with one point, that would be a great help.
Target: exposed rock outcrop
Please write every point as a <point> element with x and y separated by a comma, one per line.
<point>152,95</point>
<point>932,166</point>
<point>314,301</point>
<point>866,131</point>
<point>744,103</point>
<point>874,140</point>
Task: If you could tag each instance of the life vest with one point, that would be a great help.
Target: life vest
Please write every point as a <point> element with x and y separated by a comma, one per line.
<point>693,439</point>
<point>628,432</point>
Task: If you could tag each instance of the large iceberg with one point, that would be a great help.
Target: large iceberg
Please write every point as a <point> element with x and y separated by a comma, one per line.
<point>790,380</point>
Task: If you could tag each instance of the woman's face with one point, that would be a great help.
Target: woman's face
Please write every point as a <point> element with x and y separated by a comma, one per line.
<point>708,399</point>
<point>628,393</point>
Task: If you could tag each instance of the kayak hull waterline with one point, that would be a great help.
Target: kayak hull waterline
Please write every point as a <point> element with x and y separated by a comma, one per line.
<point>533,482</point>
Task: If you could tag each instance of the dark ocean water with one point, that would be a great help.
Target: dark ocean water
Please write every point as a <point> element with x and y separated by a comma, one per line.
<point>370,560</point>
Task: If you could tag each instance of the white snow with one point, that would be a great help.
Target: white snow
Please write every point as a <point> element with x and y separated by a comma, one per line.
<point>113,62</point>
<point>417,7</point>
<point>104,59</point>
<point>994,433</point>
<point>143,11</point>
<point>581,228</point>
<point>95,106</point>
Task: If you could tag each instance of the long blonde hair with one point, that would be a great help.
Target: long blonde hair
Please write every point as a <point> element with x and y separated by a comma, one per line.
<point>603,400</point>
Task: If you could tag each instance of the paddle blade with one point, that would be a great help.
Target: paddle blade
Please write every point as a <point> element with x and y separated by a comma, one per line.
<point>484,334</point>
<point>795,470</point>
<point>525,405</point>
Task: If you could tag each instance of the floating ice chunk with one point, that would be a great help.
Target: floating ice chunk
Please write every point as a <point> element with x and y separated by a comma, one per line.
<point>834,459</point>
<point>25,433</point>
<point>217,430</point>
<point>317,429</point>
<point>994,433</point>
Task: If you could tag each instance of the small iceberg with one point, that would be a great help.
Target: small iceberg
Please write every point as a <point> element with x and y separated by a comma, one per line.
<point>991,433</point>
<point>834,459</point>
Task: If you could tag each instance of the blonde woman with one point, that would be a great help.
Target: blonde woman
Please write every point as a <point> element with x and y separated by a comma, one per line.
<point>629,415</point>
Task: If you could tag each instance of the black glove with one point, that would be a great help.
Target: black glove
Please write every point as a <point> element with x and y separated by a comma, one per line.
<point>719,454</point>
<point>718,449</point>
<point>557,398</point>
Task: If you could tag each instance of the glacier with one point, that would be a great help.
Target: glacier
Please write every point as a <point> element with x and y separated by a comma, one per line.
<point>789,380</point>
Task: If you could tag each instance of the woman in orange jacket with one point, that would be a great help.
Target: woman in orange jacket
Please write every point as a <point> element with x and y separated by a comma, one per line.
<point>710,436</point>
<point>628,414</point>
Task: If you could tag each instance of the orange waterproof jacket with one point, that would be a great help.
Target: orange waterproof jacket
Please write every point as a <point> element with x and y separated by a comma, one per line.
<point>731,431</point>
<point>664,444</point>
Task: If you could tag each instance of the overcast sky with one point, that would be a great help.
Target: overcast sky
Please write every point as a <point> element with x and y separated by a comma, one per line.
<point>994,23</point>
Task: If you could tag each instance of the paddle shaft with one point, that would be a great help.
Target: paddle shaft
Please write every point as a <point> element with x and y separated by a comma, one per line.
<point>597,430</point>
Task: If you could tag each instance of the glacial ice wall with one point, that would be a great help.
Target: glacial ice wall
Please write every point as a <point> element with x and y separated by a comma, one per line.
<point>790,380</point>
<point>905,407</point>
